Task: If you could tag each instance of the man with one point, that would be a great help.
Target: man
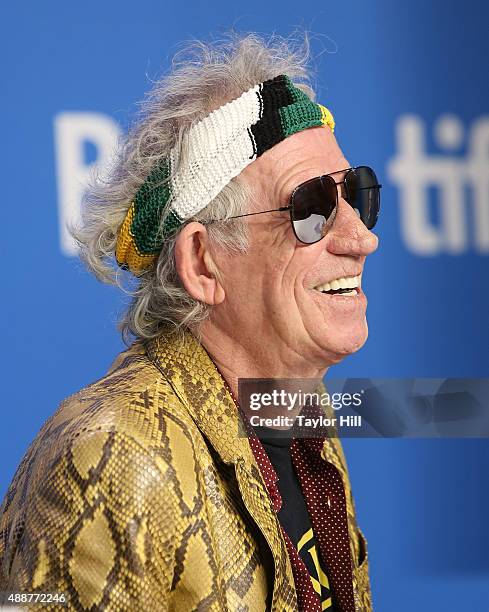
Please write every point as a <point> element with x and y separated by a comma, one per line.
<point>247,232</point>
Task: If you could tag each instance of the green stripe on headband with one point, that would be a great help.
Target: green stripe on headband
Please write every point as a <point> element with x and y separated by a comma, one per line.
<point>302,114</point>
<point>149,202</point>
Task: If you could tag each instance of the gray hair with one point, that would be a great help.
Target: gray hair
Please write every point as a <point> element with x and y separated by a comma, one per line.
<point>204,76</point>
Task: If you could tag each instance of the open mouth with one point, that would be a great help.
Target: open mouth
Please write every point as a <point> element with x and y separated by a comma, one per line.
<point>341,286</point>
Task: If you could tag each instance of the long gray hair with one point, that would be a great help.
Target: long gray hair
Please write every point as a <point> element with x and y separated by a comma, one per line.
<point>204,76</point>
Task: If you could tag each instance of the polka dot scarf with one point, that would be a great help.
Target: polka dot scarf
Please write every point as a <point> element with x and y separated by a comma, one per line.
<point>323,490</point>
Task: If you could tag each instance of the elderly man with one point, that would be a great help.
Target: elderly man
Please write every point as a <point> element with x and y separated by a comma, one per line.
<point>245,232</point>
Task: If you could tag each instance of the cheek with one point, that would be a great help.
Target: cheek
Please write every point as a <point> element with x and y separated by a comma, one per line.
<point>273,268</point>
<point>309,263</point>
<point>244,277</point>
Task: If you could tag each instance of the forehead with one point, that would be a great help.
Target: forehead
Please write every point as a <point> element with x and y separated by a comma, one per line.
<point>296,159</point>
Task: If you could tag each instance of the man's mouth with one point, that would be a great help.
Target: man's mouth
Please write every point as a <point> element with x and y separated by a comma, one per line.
<point>349,285</point>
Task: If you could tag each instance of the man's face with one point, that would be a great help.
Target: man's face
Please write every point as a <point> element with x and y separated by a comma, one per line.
<point>271,297</point>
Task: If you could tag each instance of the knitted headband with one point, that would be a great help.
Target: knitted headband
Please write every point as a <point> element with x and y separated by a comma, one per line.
<point>219,147</point>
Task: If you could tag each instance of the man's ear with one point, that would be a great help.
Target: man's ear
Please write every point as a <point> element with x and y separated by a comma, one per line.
<point>195,264</point>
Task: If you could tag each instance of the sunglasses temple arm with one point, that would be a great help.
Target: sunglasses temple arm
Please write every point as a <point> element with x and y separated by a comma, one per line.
<point>261,212</point>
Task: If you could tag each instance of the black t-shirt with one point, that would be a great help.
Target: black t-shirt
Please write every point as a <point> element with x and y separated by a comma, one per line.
<point>293,515</point>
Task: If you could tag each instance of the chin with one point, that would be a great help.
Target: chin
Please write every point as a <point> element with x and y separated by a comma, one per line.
<point>340,343</point>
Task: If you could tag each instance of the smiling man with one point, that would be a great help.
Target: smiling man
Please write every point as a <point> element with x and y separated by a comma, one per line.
<point>245,231</point>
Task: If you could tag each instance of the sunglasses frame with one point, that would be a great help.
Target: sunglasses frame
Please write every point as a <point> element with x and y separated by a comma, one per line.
<point>290,208</point>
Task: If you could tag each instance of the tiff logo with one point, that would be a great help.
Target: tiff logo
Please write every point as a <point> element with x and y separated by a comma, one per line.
<point>413,171</point>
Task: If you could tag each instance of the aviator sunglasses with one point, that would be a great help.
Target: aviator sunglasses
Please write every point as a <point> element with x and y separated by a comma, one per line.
<point>313,204</point>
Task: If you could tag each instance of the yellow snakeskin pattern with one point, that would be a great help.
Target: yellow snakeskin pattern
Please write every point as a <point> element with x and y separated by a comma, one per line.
<point>138,494</point>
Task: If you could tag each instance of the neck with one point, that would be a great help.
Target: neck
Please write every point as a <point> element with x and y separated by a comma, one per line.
<point>253,357</point>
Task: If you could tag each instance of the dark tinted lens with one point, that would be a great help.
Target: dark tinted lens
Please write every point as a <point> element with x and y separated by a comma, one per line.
<point>363,194</point>
<point>313,202</point>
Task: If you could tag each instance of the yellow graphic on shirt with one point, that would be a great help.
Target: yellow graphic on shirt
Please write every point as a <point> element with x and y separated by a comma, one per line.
<point>320,579</point>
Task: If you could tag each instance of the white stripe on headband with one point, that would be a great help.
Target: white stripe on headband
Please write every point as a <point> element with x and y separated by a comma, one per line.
<point>219,148</point>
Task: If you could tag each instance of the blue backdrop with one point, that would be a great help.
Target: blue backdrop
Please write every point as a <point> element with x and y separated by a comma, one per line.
<point>408,84</point>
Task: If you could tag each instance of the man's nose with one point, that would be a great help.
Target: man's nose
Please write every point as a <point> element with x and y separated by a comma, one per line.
<point>348,234</point>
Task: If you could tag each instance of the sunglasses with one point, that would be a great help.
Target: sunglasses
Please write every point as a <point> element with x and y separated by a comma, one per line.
<point>313,204</point>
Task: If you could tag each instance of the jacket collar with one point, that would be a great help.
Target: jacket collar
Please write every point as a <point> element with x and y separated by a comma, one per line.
<point>195,379</point>
<point>192,374</point>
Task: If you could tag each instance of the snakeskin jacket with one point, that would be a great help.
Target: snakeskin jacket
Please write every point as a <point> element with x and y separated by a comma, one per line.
<point>138,494</point>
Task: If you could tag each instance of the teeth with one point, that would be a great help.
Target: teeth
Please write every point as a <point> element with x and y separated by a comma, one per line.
<point>352,282</point>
